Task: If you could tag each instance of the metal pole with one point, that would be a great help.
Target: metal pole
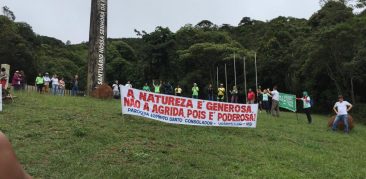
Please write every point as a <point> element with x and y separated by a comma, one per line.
<point>256,74</point>
<point>217,79</point>
<point>245,82</point>
<point>226,92</point>
<point>235,67</point>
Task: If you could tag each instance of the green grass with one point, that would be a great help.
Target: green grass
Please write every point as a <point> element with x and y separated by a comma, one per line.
<point>66,137</point>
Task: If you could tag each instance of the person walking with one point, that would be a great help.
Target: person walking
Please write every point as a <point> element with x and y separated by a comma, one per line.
<point>275,109</point>
<point>47,81</point>
<point>221,93</point>
<point>40,83</point>
<point>178,91</point>
<point>75,85</point>
<point>306,105</point>
<point>157,86</point>
<point>54,81</point>
<point>210,92</point>
<point>195,91</point>
<point>61,87</point>
<point>146,87</point>
<point>234,95</point>
<point>341,108</point>
<point>251,96</point>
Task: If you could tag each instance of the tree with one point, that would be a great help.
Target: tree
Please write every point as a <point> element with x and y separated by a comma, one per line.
<point>8,13</point>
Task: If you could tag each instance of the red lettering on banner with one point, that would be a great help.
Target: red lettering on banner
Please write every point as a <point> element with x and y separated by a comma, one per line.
<point>150,98</point>
<point>189,104</point>
<point>210,116</point>
<point>199,105</point>
<point>224,107</point>
<point>168,111</point>
<point>146,107</point>
<point>130,102</point>
<point>142,96</point>
<point>236,117</point>
<point>130,93</point>
<point>196,114</point>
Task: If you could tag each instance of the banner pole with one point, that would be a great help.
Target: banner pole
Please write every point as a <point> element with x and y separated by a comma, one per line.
<point>227,100</point>
<point>217,80</point>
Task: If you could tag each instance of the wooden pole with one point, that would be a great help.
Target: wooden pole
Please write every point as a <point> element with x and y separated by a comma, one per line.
<point>97,44</point>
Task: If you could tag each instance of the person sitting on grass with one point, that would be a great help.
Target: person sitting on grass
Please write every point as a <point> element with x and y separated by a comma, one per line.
<point>9,165</point>
<point>341,108</point>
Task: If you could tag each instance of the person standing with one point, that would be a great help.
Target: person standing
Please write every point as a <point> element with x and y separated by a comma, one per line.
<point>251,96</point>
<point>265,99</point>
<point>75,85</point>
<point>3,77</point>
<point>178,91</point>
<point>23,80</point>
<point>146,87</point>
<point>275,109</point>
<point>47,81</point>
<point>260,98</point>
<point>40,83</point>
<point>306,105</point>
<point>168,88</point>
<point>61,87</point>
<point>54,81</point>
<point>210,92</point>
<point>16,81</point>
<point>195,91</point>
<point>234,95</point>
<point>128,84</point>
<point>221,93</point>
<point>157,87</point>
<point>341,108</point>
<point>115,88</point>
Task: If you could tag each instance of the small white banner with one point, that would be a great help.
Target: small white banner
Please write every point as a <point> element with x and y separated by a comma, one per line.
<point>187,111</point>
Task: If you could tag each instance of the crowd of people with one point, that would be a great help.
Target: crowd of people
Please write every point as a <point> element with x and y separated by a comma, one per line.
<point>55,84</point>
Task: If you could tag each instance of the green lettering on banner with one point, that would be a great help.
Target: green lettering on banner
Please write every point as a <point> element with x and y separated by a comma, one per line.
<point>288,101</point>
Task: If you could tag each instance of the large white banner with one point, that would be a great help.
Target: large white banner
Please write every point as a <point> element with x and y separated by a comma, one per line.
<point>187,111</point>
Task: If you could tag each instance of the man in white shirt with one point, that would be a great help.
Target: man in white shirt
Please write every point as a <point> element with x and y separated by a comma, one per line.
<point>341,108</point>
<point>115,87</point>
<point>275,102</point>
<point>47,80</point>
<point>128,84</point>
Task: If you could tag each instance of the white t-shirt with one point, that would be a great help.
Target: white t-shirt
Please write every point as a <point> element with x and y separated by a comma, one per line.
<point>128,85</point>
<point>115,87</point>
<point>54,81</point>
<point>46,80</point>
<point>275,95</point>
<point>307,103</point>
<point>342,107</point>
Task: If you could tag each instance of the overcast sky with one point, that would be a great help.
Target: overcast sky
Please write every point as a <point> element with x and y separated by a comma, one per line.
<point>69,19</point>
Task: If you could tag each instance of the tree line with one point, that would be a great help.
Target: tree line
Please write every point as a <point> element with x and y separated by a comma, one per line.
<point>324,55</point>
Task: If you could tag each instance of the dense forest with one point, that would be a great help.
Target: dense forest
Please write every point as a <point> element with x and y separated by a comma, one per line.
<point>324,55</point>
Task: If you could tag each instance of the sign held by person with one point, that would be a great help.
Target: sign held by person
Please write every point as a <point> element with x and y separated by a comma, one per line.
<point>288,101</point>
<point>187,111</point>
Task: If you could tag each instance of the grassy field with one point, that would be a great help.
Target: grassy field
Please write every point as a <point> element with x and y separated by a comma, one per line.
<point>66,137</point>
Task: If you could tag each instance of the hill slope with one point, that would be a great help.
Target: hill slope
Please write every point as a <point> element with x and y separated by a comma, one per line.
<point>65,137</point>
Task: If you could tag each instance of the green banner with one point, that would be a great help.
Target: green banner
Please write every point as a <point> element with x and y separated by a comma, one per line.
<point>288,101</point>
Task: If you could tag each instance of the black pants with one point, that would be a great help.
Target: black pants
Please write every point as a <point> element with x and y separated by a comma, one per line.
<point>308,115</point>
